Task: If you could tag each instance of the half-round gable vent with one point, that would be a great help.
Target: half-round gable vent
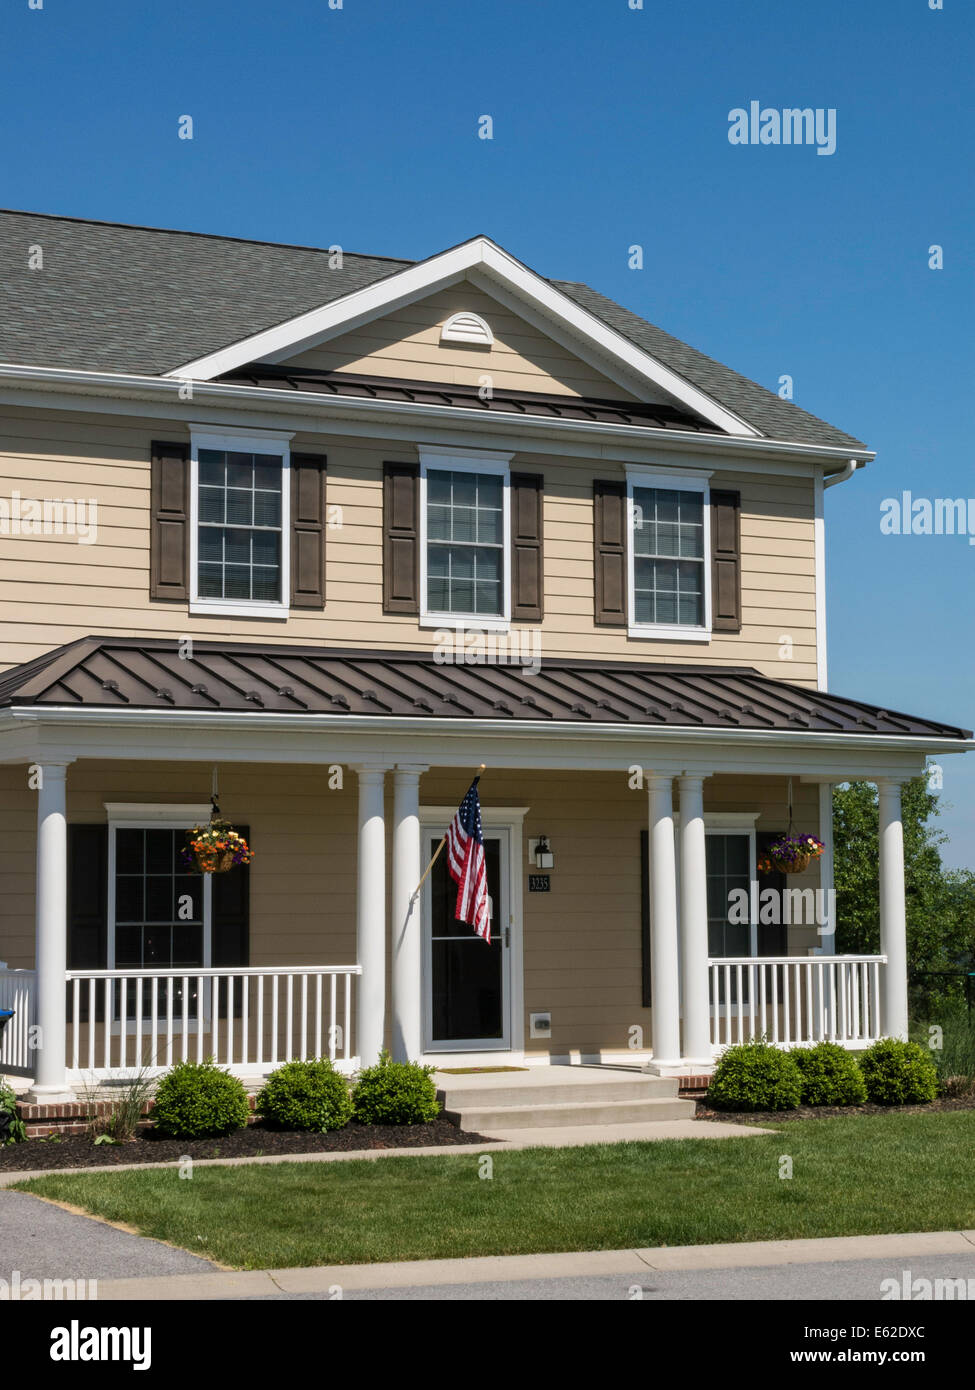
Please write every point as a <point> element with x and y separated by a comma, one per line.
<point>466,328</point>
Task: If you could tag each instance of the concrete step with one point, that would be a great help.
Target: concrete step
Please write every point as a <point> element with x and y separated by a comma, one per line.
<point>534,1090</point>
<point>487,1117</point>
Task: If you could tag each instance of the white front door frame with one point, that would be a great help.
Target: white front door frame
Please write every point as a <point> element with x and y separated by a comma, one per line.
<point>507,823</point>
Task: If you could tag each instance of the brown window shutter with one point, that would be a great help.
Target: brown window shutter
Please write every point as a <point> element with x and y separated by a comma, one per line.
<point>307,530</point>
<point>527,599</point>
<point>169,542</point>
<point>609,508</point>
<point>401,538</point>
<point>726,561</point>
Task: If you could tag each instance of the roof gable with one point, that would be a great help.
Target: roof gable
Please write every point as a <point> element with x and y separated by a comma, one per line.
<point>488,265</point>
<point>408,343</point>
<point>115,298</point>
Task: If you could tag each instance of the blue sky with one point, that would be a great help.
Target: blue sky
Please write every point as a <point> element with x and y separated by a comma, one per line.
<point>359,126</point>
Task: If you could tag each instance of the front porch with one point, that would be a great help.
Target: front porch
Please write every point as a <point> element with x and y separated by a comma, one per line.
<point>253,1020</point>
<point>623,950</point>
<point>612,964</point>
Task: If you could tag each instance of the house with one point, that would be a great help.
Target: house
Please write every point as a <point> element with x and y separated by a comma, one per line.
<point>319,534</point>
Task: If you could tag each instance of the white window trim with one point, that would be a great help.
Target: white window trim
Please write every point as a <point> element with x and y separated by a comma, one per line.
<point>467,461</point>
<point>271,442</point>
<point>152,816</point>
<point>685,481</point>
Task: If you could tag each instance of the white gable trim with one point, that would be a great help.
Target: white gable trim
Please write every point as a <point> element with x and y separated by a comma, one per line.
<point>308,329</point>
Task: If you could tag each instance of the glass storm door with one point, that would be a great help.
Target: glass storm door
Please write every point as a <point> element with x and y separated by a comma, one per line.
<point>467,989</point>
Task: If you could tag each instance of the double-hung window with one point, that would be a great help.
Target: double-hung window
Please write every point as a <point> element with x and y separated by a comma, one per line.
<point>669,557</point>
<point>465,554</point>
<point>158,910</point>
<point>240,495</point>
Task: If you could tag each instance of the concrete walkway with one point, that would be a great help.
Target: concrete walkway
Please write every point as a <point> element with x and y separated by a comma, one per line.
<point>559,1138</point>
<point>527,1275</point>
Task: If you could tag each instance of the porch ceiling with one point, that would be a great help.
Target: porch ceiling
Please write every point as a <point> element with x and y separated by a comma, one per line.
<point>121,673</point>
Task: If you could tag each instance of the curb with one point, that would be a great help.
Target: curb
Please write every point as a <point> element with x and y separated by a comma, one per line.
<point>334,1280</point>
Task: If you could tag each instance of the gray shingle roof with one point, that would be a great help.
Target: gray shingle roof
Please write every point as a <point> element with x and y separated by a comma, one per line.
<point>761,408</point>
<point>112,297</point>
<point>115,298</point>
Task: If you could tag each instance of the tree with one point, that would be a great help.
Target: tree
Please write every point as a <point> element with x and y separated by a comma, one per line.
<point>940,902</point>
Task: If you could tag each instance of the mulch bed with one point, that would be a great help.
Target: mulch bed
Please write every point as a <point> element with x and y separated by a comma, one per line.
<point>825,1112</point>
<point>78,1151</point>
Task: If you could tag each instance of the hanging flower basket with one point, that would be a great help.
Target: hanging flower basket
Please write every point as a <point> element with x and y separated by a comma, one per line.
<point>216,847</point>
<point>791,855</point>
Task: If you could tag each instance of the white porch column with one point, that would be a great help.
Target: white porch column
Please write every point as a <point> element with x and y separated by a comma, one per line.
<point>371,915</point>
<point>893,916</point>
<point>407,935</point>
<point>827,928</point>
<point>51,899</point>
<point>695,994</point>
<point>664,969</point>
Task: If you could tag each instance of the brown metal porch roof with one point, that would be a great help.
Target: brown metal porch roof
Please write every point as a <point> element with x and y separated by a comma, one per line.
<point>537,404</point>
<point>149,674</point>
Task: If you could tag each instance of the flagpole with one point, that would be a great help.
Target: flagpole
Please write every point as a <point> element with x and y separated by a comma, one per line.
<point>436,855</point>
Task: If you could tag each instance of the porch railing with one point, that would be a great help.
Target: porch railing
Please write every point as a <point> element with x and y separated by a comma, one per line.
<point>247,1019</point>
<point>18,991</point>
<point>796,1000</point>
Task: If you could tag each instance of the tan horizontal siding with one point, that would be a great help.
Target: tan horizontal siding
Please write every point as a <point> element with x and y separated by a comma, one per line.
<point>406,343</point>
<point>54,590</point>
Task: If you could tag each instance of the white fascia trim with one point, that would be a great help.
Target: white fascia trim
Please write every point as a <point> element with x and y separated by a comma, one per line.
<point>306,330</point>
<point>490,815</point>
<point>60,716</point>
<point>120,387</point>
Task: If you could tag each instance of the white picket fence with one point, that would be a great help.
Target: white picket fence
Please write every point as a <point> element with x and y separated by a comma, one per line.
<point>248,1020</point>
<point>795,1001</point>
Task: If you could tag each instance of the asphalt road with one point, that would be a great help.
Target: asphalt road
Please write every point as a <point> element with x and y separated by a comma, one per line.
<point>856,1280</point>
<point>45,1242</point>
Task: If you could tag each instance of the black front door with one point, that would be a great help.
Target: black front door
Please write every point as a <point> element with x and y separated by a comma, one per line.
<point>467,983</point>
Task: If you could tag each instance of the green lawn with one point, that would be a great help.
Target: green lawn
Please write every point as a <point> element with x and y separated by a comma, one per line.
<point>851,1176</point>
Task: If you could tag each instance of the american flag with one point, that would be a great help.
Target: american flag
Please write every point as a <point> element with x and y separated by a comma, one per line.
<point>465,860</point>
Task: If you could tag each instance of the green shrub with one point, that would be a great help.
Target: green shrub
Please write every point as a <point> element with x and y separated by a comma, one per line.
<point>306,1095</point>
<point>899,1073</point>
<point>395,1093</point>
<point>196,1100</point>
<point>12,1128</point>
<point>755,1076</point>
<point>830,1075</point>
